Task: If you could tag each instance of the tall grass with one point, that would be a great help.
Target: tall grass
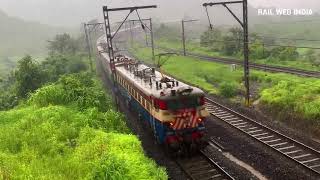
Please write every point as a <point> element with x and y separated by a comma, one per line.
<point>69,130</point>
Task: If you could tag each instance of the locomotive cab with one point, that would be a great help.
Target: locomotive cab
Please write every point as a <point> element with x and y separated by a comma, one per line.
<point>183,112</point>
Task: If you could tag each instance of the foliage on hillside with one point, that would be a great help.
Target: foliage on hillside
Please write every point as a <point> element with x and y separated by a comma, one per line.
<point>263,49</point>
<point>31,75</point>
<point>69,130</point>
<point>298,96</point>
<point>19,37</point>
<point>63,125</point>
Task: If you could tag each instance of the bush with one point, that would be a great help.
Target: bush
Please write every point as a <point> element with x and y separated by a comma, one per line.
<point>57,65</point>
<point>76,89</point>
<point>56,142</point>
<point>228,90</point>
<point>63,134</point>
<point>28,76</point>
<point>7,100</point>
<point>302,98</point>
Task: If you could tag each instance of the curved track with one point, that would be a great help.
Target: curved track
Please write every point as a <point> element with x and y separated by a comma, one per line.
<point>201,167</point>
<point>299,72</point>
<point>302,154</point>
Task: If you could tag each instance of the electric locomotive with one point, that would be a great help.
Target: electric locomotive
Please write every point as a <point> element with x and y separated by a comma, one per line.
<point>173,110</point>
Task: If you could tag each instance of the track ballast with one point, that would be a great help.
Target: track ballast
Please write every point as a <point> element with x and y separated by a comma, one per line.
<point>300,153</point>
<point>202,167</point>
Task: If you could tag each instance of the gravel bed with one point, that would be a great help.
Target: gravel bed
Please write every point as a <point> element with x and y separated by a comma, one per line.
<point>270,164</point>
<point>258,116</point>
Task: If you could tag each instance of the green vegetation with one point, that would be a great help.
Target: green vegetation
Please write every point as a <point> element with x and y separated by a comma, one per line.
<point>19,38</point>
<point>69,130</point>
<point>289,96</point>
<point>301,97</point>
<point>57,122</point>
<point>229,45</point>
<point>31,75</point>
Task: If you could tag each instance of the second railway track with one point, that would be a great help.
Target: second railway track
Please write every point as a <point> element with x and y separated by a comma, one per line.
<point>271,68</point>
<point>298,152</point>
<point>202,167</point>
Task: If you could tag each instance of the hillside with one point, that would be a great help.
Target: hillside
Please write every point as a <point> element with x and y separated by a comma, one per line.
<point>19,37</point>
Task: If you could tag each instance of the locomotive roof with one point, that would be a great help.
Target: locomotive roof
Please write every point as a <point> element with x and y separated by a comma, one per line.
<point>151,90</point>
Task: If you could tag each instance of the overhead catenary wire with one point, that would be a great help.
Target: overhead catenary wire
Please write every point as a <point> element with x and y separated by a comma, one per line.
<point>266,44</point>
<point>285,38</point>
<point>288,22</point>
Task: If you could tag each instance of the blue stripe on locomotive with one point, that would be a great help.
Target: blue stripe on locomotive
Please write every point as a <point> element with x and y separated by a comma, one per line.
<point>158,128</point>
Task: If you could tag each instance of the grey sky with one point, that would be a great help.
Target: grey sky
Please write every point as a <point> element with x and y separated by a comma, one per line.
<point>72,12</point>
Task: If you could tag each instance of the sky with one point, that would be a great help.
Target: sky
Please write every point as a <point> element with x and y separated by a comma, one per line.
<point>73,12</point>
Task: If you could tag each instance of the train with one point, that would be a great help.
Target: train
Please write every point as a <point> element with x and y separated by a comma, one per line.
<point>174,111</point>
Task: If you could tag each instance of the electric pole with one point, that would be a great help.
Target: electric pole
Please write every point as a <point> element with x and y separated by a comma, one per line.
<point>183,39</point>
<point>244,25</point>
<point>150,28</point>
<point>88,39</point>
<point>184,34</point>
<point>152,40</point>
<point>246,50</point>
<point>88,46</point>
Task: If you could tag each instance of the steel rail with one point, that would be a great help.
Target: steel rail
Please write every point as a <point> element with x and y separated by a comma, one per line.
<point>292,149</point>
<point>271,68</point>
<point>202,167</point>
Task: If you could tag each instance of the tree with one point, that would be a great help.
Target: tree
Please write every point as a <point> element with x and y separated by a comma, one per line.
<point>56,65</point>
<point>311,57</point>
<point>233,42</point>
<point>257,50</point>
<point>167,32</point>
<point>63,44</point>
<point>28,77</point>
<point>285,53</point>
<point>237,35</point>
<point>211,39</point>
<point>229,46</point>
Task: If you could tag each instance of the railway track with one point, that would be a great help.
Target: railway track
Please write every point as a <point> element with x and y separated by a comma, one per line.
<point>201,167</point>
<point>299,72</point>
<point>305,156</point>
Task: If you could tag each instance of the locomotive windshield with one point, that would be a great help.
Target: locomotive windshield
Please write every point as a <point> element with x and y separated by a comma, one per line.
<point>185,103</point>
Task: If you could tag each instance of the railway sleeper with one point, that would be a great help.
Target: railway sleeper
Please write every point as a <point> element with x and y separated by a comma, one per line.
<point>201,168</point>
<point>205,174</point>
<point>196,164</point>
